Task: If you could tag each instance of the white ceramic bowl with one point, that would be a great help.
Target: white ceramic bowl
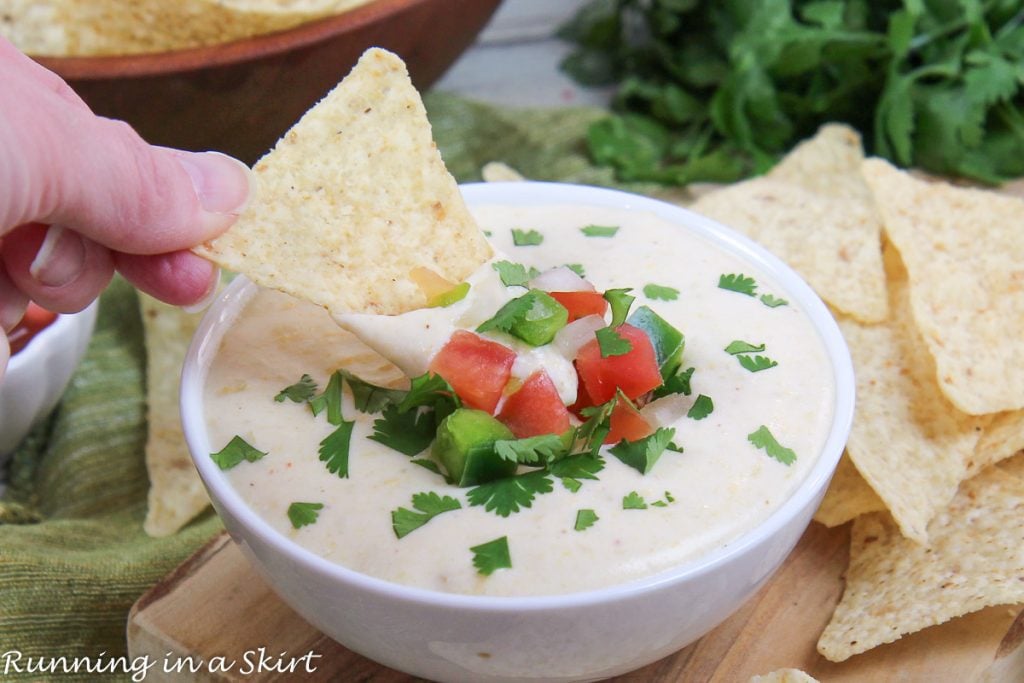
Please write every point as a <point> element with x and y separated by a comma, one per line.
<point>38,374</point>
<point>580,636</point>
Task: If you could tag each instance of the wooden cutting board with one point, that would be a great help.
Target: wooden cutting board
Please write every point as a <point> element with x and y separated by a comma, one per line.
<point>216,605</point>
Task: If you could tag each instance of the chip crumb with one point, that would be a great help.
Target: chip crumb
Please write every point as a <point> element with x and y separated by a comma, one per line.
<point>784,676</point>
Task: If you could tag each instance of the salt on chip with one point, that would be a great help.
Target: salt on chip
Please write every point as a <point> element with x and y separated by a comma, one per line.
<point>354,200</point>
<point>848,496</point>
<point>814,211</point>
<point>964,251</point>
<point>784,676</point>
<point>975,559</point>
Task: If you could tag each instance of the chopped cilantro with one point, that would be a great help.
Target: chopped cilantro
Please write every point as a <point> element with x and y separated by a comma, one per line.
<point>508,315</point>
<point>668,500</point>
<point>534,450</point>
<point>620,300</point>
<point>633,501</point>
<point>772,302</point>
<point>673,446</point>
<point>738,282</point>
<point>701,408</point>
<point>303,514</point>
<point>600,230</point>
<point>740,346</point>
<point>334,449</point>
<point>410,432</point>
<point>526,238</point>
<point>370,398</point>
<point>659,292</point>
<point>576,268</point>
<point>452,296</point>
<point>432,391</point>
<point>488,233</point>
<point>756,363</point>
<point>514,274</point>
<point>427,463</point>
<point>591,434</point>
<point>237,450</point>
<point>583,466</point>
<point>490,556</point>
<point>571,485</point>
<point>329,400</point>
<point>426,506</point>
<point>612,343</point>
<point>510,494</point>
<point>302,390</point>
<point>643,453</point>
<point>585,519</point>
<point>678,383</point>
<point>763,438</point>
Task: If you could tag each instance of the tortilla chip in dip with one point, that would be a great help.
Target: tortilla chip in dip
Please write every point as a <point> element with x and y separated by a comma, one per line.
<point>354,201</point>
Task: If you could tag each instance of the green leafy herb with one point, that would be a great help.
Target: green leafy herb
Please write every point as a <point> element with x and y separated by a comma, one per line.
<point>701,408</point>
<point>506,496</point>
<point>612,343</point>
<point>591,434</point>
<point>410,432</point>
<point>674,447</point>
<point>678,383</point>
<point>534,317</point>
<point>526,238</point>
<point>330,400</point>
<point>642,454</point>
<point>583,466</point>
<point>600,230</point>
<point>426,506</point>
<point>772,302</point>
<point>237,450</point>
<point>490,556</point>
<point>576,268</point>
<point>299,392</point>
<point>572,485</point>
<point>514,274</point>
<point>620,300</point>
<point>432,391</point>
<point>756,363</point>
<point>585,519</point>
<point>661,293</point>
<point>304,514</point>
<point>370,398</point>
<point>334,449</point>
<point>429,464</point>
<point>738,282</point>
<point>763,438</point>
<point>665,502</point>
<point>633,501</point>
<point>535,450</point>
<point>508,315</point>
<point>452,296</point>
<point>739,346</point>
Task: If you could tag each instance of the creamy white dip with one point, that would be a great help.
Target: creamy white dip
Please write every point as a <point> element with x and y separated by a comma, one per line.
<point>720,486</point>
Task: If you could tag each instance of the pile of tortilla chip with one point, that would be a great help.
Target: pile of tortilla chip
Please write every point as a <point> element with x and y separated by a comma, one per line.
<point>927,282</point>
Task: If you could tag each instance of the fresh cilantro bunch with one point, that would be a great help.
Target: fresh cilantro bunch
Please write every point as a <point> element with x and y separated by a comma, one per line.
<point>718,90</point>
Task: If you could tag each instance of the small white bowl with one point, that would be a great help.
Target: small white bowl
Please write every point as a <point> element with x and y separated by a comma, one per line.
<point>579,636</point>
<point>38,374</point>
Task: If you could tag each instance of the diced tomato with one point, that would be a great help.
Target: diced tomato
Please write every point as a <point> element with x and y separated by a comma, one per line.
<point>627,423</point>
<point>635,372</point>
<point>581,304</point>
<point>477,368</point>
<point>535,408</point>
<point>583,399</point>
<point>35,319</point>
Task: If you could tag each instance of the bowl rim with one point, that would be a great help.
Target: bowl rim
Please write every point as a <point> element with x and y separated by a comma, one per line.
<point>65,323</point>
<point>541,193</point>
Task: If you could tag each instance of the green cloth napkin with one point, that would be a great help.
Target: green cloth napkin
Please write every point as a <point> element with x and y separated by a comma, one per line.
<point>73,555</point>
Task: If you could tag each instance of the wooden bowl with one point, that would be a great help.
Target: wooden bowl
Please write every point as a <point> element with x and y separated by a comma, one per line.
<point>240,97</point>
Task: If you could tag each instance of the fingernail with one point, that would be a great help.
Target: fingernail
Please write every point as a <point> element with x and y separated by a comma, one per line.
<point>60,258</point>
<point>12,303</point>
<point>222,183</point>
<point>208,298</point>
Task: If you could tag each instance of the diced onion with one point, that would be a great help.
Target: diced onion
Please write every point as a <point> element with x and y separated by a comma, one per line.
<point>573,336</point>
<point>561,279</point>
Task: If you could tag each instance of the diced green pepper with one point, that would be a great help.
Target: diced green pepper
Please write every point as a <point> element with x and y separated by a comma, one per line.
<point>542,320</point>
<point>464,445</point>
<point>668,342</point>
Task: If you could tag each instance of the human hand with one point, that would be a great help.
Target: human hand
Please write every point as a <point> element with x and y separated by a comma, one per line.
<point>81,196</point>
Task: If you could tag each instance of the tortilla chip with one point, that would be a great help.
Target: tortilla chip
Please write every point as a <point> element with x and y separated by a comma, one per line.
<point>894,586</point>
<point>1014,466</point>
<point>1001,438</point>
<point>848,496</point>
<point>500,172</point>
<point>908,442</point>
<point>176,493</point>
<point>353,200</point>
<point>814,211</point>
<point>964,251</point>
<point>784,676</point>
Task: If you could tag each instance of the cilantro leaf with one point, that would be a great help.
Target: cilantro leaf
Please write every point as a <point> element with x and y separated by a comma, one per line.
<point>508,315</point>
<point>701,408</point>
<point>329,400</point>
<point>433,391</point>
<point>303,514</point>
<point>738,282</point>
<point>370,398</point>
<point>236,450</point>
<point>533,450</point>
<point>301,391</point>
<point>510,494</point>
<point>585,519</point>
<point>612,343</point>
<point>334,449</point>
<point>591,434</point>
<point>633,501</point>
<point>620,300</point>
<point>526,238</point>
<point>490,556</point>
<point>600,230</point>
<point>659,292</point>
<point>410,432</point>
<point>664,503</point>
<point>740,346</point>
<point>678,383</point>
<point>642,454</point>
<point>576,268</point>
<point>756,363</point>
<point>426,506</point>
<point>429,464</point>
<point>514,274</point>
<point>572,485</point>
<point>763,438</point>
<point>772,302</point>
<point>582,466</point>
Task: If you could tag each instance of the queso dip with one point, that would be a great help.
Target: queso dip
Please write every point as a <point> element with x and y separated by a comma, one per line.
<point>757,412</point>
